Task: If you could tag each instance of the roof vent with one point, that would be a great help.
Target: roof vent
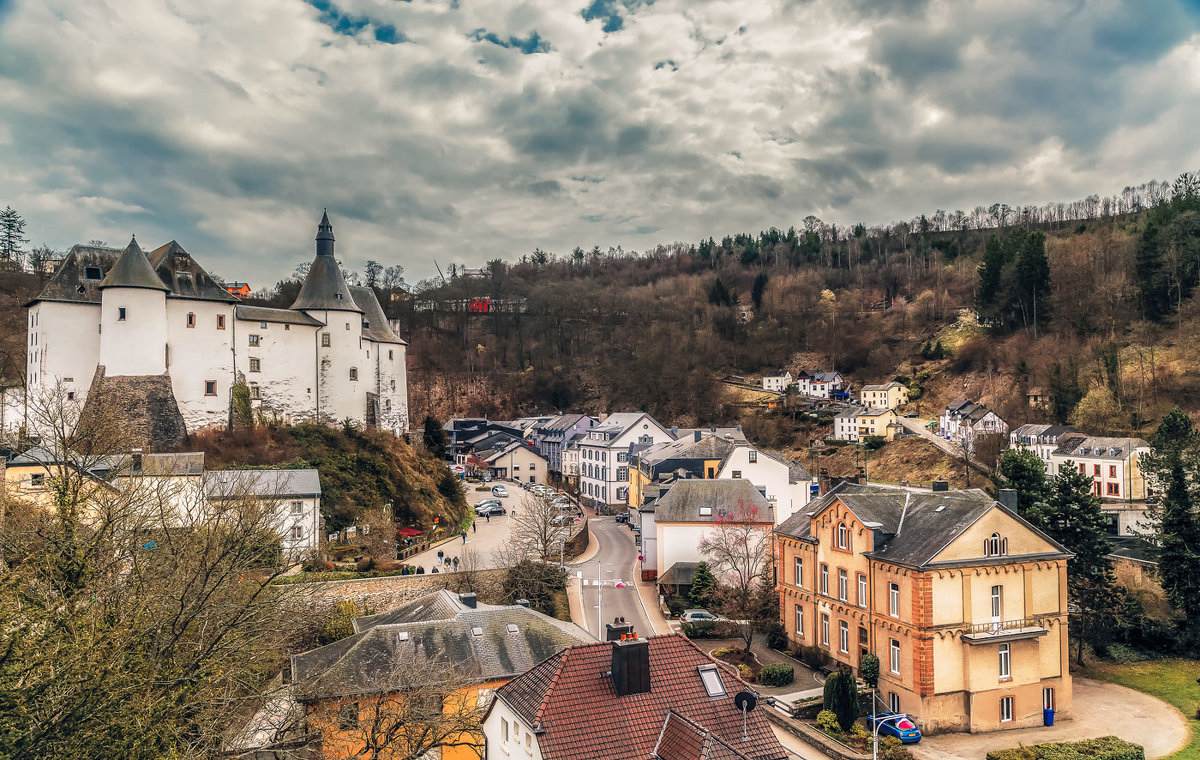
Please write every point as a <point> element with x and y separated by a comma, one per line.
<point>402,636</point>
<point>706,511</point>
<point>476,631</point>
<point>512,627</point>
<point>940,508</point>
<point>523,603</point>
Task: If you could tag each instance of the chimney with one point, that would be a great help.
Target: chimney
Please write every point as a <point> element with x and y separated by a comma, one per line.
<point>523,603</point>
<point>617,631</point>
<point>823,481</point>
<point>1008,497</point>
<point>696,436</point>
<point>860,476</point>
<point>631,666</point>
<point>468,599</point>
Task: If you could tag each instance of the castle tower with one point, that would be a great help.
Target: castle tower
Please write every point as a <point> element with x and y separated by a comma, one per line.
<point>344,363</point>
<point>133,317</point>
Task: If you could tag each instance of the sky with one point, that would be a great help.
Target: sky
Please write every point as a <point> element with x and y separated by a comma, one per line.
<point>458,131</point>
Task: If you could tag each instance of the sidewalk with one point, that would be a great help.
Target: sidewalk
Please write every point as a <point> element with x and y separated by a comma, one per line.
<point>648,592</point>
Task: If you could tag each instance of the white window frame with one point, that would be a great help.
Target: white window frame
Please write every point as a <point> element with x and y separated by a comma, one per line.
<point>1005,661</point>
<point>824,629</point>
<point>799,621</point>
<point>843,584</point>
<point>798,570</point>
<point>862,590</point>
<point>997,603</point>
<point>894,656</point>
<point>843,536</point>
<point>894,599</point>
<point>843,636</point>
<point>1006,709</point>
<point>825,579</point>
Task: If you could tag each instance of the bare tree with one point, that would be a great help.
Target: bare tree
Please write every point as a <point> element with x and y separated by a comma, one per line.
<point>538,529</point>
<point>737,549</point>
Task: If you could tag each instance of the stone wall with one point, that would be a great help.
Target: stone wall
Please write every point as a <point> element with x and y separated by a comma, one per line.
<point>143,405</point>
<point>389,592</point>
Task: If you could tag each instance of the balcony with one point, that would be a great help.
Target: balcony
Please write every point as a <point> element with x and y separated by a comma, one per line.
<point>1000,631</point>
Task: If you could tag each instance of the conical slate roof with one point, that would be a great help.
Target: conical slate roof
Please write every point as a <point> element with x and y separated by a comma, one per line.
<point>133,270</point>
<point>325,287</point>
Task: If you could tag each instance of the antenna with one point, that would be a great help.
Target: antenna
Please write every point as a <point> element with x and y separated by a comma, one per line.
<point>440,271</point>
<point>745,701</point>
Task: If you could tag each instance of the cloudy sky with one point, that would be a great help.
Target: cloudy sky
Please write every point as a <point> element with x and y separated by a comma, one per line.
<point>464,130</point>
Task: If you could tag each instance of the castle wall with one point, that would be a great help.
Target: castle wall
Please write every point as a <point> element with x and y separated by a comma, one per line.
<point>286,381</point>
<point>199,355</point>
<point>63,346</point>
<point>137,344</point>
<point>392,387</point>
<point>341,397</point>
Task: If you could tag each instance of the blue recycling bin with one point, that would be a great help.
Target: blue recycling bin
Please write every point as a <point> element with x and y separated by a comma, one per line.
<point>1047,716</point>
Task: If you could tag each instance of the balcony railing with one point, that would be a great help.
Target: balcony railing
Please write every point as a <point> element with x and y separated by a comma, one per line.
<point>1020,628</point>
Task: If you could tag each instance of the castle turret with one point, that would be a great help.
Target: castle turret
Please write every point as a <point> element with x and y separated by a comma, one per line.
<point>133,317</point>
<point>325,288</point>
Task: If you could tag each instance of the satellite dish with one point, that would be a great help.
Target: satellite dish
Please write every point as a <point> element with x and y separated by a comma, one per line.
<point>745,701</point>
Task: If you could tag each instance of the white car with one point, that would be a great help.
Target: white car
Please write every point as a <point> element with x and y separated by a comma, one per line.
<point>500,491</point>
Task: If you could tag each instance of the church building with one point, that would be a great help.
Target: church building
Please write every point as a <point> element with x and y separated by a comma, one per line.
<point>156,332</point>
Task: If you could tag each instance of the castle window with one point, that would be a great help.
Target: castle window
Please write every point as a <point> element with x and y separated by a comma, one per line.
<point>220,321</point>
<point>347,325</point>
<point>255,392</point>
<point>325,340</point>
<point>93,273</point>
<point>994,546</point>
<point>210,387</point>
<point>121,314</point>
<point>262,325</point>
<point>253,340</point>
<point>191,319</point>
<point>255,365</point>
<point>354,373</point>
<point>389,355</point>
<point>387,405</point>
<point>286,327</point>
<point>393,385</point>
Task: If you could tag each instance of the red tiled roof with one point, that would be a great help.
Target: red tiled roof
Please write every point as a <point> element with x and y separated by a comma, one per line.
<point>681,739</point>
<point>570,700</point>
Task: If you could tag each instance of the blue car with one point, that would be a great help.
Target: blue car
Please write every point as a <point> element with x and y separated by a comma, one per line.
<point>898,725</point>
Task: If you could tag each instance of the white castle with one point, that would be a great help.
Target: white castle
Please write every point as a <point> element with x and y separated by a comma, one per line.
<point>162,319</point>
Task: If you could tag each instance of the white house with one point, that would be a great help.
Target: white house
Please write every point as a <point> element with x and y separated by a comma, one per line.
<point>891,395</point>
<point>1112,463</point>
<point>1042,440</point>
<point>604,454</point>
<point>109,314</point>
<point>819,384</point>
<point>786,485</point>
<point>516,460</point>
<point>964,421</point>
<point>777,381</point>
<point>679,520</point>
<point>845,424</point>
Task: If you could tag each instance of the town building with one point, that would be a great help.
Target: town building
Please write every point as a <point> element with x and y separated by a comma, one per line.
<point>604,454</point>
<point>1042,440</point>
<point>777,382</point>
<point>696,455</point>
<point>962,600</point>
<point>820,384</point>
<point>964,421</point>
<point>857,423</point>
<point>176,487</point>
<point>157,327</point>
<point>787,485</point>
<point>674,526</point>
<point>891,395</point>
<point>552,435</point>
<point>845,423</point>
<point>631,699</point>
<point>1112,463</point>
<point>351,686</point>
<point>516,460</point>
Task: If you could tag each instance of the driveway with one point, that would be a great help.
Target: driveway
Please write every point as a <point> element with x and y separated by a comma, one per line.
<point>1099,709</point>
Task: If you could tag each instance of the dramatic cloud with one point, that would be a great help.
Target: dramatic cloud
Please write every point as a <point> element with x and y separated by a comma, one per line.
<point>461,130</point>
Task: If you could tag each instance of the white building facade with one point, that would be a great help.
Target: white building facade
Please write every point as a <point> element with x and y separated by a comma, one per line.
<point>330,357</point>
<point>786,485</point>
<point>604,454</point>
<point>777,382</point>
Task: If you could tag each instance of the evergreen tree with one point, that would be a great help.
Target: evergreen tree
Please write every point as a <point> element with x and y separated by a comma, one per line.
<point>757,290</point>
<point>1072,516</point>
<point>703,585</point>
<point>841,697</point>
<point>435,437</point>
<point>719,294</point>
<point>12,235</point>
<point>1024,472</point>
<point>1174,466</point>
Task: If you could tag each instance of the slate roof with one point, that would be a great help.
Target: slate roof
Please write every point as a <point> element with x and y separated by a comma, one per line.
<point>486,644</point>
<point>1094,447</point>
<point>376,324</point>
<point>276,484</point>
<point>915,525</point>
<point>325,287</point>
<point>68,282</point>
<point>682,503</point>
<point>571,699</point>
<point>708,447</point>
<point>796,471</point>
<point>681,739</point>
<point>440,605</point>
<point>275,316</point>
<point>883,386</point>
<point>563,422</point>
<point>132,270</point>
<point>618,422</point>
<point>184,278</point>
<point>850,412</point>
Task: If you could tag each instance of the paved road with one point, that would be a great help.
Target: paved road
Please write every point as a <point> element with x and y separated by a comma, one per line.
<point>616,561</point>
<point>916,425</point>
<point>489,537</point>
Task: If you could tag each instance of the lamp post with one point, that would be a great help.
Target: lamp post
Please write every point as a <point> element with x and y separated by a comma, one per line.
<point>875,733</point>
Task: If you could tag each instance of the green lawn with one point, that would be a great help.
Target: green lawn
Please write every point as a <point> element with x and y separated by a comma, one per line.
<point>1171,680</point>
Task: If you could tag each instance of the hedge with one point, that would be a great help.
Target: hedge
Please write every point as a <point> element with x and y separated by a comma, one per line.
<point>776,674</point>
<point>710,629</point>
<point>1102,748</point>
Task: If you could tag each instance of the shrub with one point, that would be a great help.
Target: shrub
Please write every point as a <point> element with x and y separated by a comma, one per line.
<point>677,604</point>
<point>859,731</point>
<point>874,442</point>
<point>811,656</point>
<point>338,625</point>
<point>701,629</point>
<point>827,721</point>
<point>868,670</point>
<point>891,748</point>
<point>777,636</point>
<point>841,696</point>
<point>1124,654</point>
<point>365,564</point>
<point>1101,748</point>
<point>776,674</point>
<point>721,652</point>
<point>746,672</point>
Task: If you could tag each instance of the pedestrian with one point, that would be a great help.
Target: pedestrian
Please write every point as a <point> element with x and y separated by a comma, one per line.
<point>473,529</point>
<point>488,517</point>
<point>420,569</point>
<point>456,564</point>
<point>434,570</point>
<point>441,554</point>
<point>464,536</point>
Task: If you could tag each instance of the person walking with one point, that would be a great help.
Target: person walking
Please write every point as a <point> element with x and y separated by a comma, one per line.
<point>441,555</point>
<point>464,536</point>
<point>488,517</point>
<point>473,528</point>
<point>456,564</point>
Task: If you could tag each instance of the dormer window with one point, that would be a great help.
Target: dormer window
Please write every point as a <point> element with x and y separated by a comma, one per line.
<point>93,273</point>
<point>182,264</point>
<point>338,296</point>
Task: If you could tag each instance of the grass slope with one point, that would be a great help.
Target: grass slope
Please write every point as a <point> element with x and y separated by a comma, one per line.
<point>1173,681</point>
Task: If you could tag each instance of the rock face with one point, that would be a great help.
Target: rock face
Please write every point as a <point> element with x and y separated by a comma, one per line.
<point>143,405</point>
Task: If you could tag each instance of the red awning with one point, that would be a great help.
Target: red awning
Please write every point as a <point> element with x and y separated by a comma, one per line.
<point>408,532</point>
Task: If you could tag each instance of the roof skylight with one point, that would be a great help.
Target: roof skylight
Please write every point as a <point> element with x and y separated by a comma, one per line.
<point>711,677</point>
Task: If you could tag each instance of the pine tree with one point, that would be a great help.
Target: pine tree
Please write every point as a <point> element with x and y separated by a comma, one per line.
<point>12,235</point>
<point>435,437</point>
<point>703,585</point>
<point>1174,466</point>
<point>758,288</point>
<point>1024,472</point>
<point>841,697</point>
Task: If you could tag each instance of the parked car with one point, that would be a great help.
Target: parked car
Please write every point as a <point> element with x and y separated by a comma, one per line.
<point>500,491</point>
<point>491,509</point>
<point>903,729</point>
<point>694,616</point>
<point>563,519</point>
<point>487,504</point>
<point>911,416</point>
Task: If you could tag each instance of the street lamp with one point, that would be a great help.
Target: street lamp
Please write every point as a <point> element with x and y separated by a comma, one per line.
<point>875,734</point>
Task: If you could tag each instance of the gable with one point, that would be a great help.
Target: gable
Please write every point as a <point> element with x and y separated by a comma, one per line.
<point>1022,539</point>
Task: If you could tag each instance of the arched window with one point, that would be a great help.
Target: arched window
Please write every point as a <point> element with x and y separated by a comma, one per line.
<point>994,546</point>
<point>843,536</point>
<point>191,319</point>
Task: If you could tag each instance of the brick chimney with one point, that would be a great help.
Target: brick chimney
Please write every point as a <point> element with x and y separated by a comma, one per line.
<point>615,631</point>
<point>631,666</point>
